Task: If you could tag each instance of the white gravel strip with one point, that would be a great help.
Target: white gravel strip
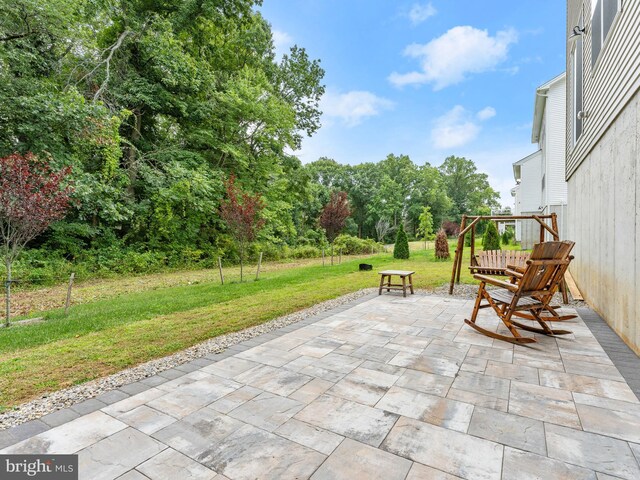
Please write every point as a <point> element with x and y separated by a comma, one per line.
<point>51,402</point>
<point>469,291</point>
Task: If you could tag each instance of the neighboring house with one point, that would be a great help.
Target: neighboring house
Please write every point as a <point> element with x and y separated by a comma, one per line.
<point>503,225</point>
<point>549,132</point>
<point>603,166</point>
<point>528,175</point>
<point>515,193</point>
<point>542,188</point>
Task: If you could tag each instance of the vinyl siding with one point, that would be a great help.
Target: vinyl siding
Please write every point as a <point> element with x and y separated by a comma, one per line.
<point>604,176</point>
<point>530,184</point>
<point>555,118</point>
<point>611,83</point>
<point>515,191</point>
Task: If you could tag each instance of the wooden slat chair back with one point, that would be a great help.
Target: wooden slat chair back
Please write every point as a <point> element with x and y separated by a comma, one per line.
<point>531,291</point>
<point>516,274</point>
<point>495,262</point>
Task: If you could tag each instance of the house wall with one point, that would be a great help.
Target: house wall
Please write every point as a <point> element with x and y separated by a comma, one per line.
<point>603,173</point>
<point>604,221</point>
<point>555,119</point>
<point>561,213</point>
<point>611,83</point>
<point>515,192</point>
<point>530,193</point>
<point>529,231</point>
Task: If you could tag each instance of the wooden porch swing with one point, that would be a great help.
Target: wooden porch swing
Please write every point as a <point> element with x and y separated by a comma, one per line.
<point>495,262</point>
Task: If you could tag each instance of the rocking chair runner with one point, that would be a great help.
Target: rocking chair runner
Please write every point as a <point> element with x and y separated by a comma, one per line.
<point>529,295</point>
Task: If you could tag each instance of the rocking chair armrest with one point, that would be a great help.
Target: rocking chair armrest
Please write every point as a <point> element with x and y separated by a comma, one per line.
<point>515,268</point>
<point>498,283</point>
<point>513,273</point>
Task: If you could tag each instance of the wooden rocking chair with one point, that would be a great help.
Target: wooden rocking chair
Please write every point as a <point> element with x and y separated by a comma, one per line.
<point>528,295</point>
<point>516,272</point>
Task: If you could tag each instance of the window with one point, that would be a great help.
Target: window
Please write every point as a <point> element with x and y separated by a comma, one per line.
<point>602,16</point>
<point>576,91</point>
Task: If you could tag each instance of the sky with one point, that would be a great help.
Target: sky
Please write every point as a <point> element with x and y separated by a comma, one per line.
<point>426,79</point>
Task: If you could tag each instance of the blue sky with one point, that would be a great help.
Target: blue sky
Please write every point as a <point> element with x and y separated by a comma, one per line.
<point>426,78</point>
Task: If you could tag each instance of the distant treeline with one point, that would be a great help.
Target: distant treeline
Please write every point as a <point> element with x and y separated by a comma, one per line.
<point>155,104</point>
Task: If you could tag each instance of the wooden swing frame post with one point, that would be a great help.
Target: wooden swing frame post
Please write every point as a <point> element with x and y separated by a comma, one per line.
<point>474,219</point>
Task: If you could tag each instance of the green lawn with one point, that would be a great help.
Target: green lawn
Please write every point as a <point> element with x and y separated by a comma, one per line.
<point>101,337</point>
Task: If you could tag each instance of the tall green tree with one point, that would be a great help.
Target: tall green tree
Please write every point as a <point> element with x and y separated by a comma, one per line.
<point>428,190</point>
<point>426,224</point>
<point>401,247</point>
<point>468,189</point>
<point>491,238</point>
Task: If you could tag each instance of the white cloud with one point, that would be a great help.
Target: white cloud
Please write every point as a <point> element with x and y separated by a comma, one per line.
<point>454,129</point>
<point>486,113</point>
<point>457,127</point>
<point>419,13</point>
<point>448,59</point>
<point>354,106</point>
<point>282,41</point>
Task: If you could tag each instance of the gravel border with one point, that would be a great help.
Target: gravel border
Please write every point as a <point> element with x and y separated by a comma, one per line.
<point>51,402</point>
<point>469,291</point>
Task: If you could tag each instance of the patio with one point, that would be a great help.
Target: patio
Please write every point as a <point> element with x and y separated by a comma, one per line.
<point>386,387</point>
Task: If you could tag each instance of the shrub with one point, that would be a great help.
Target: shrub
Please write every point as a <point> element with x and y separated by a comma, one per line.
<point>141,262</point>
<point>401,248</point>
<point>270,252</point>
<point>491,238</point>
<point>467,239</point>
<point>507,236</point>
<point>442,245</point>
<point>351,245</point>
<point>306,251</point>
<point>452,229</point>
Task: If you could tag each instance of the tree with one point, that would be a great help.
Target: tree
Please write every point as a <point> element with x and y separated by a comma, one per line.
<point>401,247</point>
<point>468,189</point>
<point>241,211</point>
<point>491,238</point>
<point>429,190</point>
<point>32,196</point>
<point>507,235</point>
<point>442,245</point>
<point>452,229</point>
<point>425,229</point>
<point>334,216</point>
<point>383,226</point>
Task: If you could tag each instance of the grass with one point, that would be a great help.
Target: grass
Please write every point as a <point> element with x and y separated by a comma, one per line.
<point>109,334</point>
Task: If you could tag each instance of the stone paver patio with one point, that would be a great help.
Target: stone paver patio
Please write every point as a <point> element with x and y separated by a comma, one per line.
<point>384,388</point>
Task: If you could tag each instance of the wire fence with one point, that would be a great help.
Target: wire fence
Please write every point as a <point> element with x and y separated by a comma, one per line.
<point>32,295</point>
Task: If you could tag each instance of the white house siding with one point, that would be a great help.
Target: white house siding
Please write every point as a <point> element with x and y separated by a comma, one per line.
<point>555,141</point>
<point>613,82</point>
<point>603,172</point>
<point>515,193</point>
<point>531,174</point>
<point>529,199</point>
<point>561,214</point>
<point>529,231</point>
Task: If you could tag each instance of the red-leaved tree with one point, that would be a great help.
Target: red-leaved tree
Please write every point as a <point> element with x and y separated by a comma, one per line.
<point>452,229</point>
<point>241,213</point>
<point>334,216</point>
<point>32,196</point>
